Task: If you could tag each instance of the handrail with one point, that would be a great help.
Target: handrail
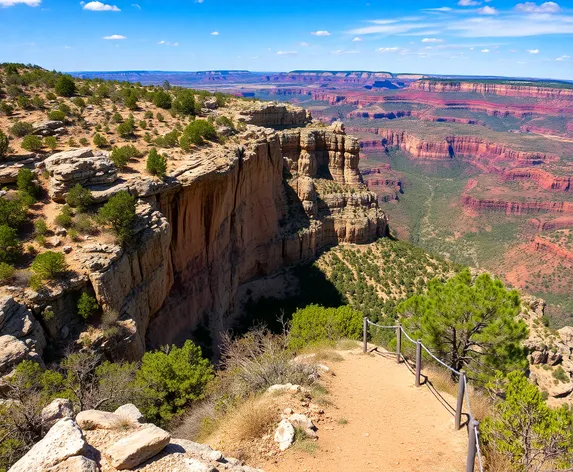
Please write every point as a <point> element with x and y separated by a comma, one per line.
<point>463,392</point>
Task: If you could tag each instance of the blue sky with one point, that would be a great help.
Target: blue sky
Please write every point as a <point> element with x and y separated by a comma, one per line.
<point>480,37</point>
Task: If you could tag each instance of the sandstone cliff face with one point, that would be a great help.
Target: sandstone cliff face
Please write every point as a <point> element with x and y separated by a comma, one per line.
<point>542,244</point>
<point>453,146</point>
<point>239,220</point>
<point>227,217</point>
<point>543,178</point>
<point>516,208</point>
<point>493,89</point>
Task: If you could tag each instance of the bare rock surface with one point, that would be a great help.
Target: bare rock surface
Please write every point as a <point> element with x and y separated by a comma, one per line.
<point>131,412</point>
<point>56,410</point>
<point>96,419</point>
<point>76,464</point>
<point>82,166</point>
<point>64,440</point>
<point>284,435</point>
<point>136,448</point>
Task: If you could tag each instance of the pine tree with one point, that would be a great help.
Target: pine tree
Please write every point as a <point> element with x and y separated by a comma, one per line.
<point>469,325</point>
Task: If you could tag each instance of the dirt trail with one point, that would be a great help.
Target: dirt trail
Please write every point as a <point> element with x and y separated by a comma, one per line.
<point>392,425</point>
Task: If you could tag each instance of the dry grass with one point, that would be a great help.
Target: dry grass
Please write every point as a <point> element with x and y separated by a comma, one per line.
<point>495,462</point>
<point>199,421</point>
<point>442,381</point>
<point>123,423</point>
<point>252,419</point>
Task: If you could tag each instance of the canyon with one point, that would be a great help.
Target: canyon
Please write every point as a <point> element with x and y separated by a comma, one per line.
<point>222,220</point>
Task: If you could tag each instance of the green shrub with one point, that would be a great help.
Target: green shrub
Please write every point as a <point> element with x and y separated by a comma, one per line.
<point>6,272</point>
<point>6,108</point>
<point>65,86</point>
<point>172,381</point>
<point>40,227</point>
<point>127,128</point>
<point>315,323</point>
<point>51,142</point>
<point>160,117</point>
<point>21,129</point>
<point>84,142</point>
<point>225,121</point>
<point>525,430</point>
<point>64,218</point>
<point>560,375</point>
<point>84,224</point>
<point>51,96</point>
<point>12,212</point>
<point>79,197</point>
<point>162,99</point>
<point>87,306</point>
<point>119,213</point>
<point>32,143</point>
<point>10,245</point>
<point>27,183</point>
<point>4,145</point>
<point>38,103</point>
<point>117,118</point>
<point>148,115</point>
<point>56,115</point>
<point>156,163</point>
<point>100,141</point>
<point>184,103</point>
<point>24,102</point>
<point>120,156</point>
<point>49,265</point>
<point>79,102</point>
<point>168,140</point>
<point>196,133</point>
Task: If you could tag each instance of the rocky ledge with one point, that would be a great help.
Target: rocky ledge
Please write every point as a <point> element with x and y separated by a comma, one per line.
<point>100,441</point>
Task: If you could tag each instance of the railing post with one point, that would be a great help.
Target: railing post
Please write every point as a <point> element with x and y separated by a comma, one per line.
<point>460,402</point>
<point>418,361</point>
<point>399,343</point>
<point>365,348</point>
<point>472,447</point>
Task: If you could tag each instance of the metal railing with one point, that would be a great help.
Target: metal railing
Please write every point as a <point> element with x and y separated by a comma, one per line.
<point>474,450</point>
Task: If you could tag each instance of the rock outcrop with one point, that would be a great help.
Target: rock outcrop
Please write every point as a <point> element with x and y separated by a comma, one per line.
<point>515,207</point>
<point>550,354</point>
<point>21,336</point>
<point>64,441</point>
<point>546,180</point>
<point>484,88</point>
<point>454,146</point>
<point>79,166</point>
<point>275,115</point>
<point>128,446</point>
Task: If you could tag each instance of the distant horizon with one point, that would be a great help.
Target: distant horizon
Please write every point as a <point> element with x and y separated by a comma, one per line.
<point>517,38</point>
<point>204,71</point>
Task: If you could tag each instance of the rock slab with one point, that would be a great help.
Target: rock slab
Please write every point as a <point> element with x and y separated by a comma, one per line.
<point>63,441</point>
<point>138,447</point>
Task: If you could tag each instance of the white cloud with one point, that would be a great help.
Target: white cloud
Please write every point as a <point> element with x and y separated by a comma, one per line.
<point>468,3</point>
<point>487,11</point>
<point>532,7</point>
<point>344,51</point>
<point>215,33</point>
<point>11,3</point>
<point>136,5</point>
<point>533,51</point>
<point>432,40</point>
<point>383,50</point>
<point>485,50</point>
<point>442,9</point>
<point>114,37</point>
<point>304,45</point>
<point>99,6</point>
<point>320,33</point>
<point>357,39</point>
<point>394,27</point>
<point>175,44</point>
<point>563,58</point>
<point>287,53</point>
<point>512,26</point>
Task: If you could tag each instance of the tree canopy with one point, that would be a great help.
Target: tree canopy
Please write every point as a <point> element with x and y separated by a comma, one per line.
<point>469,324</point>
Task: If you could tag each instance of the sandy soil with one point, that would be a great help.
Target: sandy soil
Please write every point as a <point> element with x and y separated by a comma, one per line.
<point>391,424</point>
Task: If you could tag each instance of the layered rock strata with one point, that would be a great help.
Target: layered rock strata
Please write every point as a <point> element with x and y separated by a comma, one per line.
<point>226,217</point>
<point>484,88</point>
